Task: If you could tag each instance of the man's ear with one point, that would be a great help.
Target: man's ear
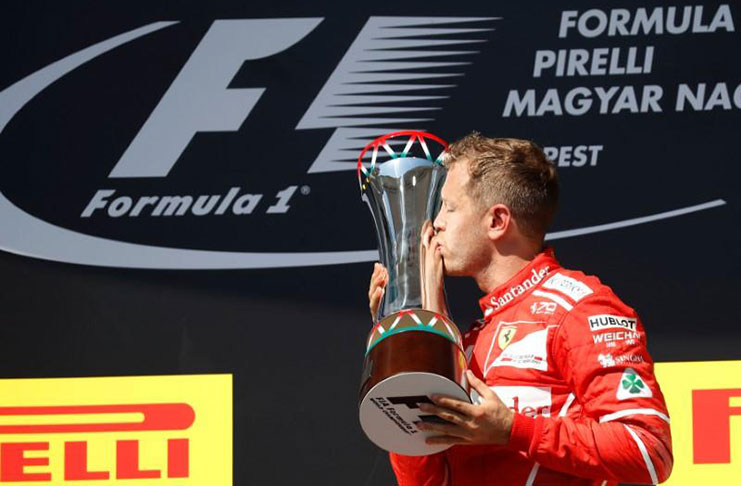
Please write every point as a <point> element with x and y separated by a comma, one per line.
<point>498,220</point>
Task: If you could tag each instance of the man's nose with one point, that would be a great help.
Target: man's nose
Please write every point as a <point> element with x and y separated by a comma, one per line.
<point>438,224</point>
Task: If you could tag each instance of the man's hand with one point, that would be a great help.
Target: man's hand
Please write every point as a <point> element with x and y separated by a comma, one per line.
<point>432,271</point>
<point>490,422</point>
<point>378,282</point>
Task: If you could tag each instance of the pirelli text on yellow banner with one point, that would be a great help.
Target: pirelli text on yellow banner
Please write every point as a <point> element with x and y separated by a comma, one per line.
<point>153,430</point>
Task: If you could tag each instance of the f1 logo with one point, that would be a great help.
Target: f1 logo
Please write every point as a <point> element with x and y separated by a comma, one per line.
<point>361,99</point>
<point>199,99</point>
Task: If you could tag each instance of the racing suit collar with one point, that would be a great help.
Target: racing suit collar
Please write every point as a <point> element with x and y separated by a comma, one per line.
<point>521,284</point>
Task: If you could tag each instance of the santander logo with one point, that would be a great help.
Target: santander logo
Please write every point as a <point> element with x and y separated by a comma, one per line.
<point>534,279</point>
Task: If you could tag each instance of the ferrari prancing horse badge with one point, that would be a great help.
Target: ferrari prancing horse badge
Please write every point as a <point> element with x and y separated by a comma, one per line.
<point>506,334</point>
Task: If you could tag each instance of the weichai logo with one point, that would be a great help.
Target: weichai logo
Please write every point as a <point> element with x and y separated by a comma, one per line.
<point>184,441</point>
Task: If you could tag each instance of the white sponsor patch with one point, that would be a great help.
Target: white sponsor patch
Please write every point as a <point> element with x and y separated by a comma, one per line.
<point>610,338</point>
<point>607,321</point>
<point>570,286</point>
<point>528,352</point>
<point>606,360</point>
<point>632,385</point>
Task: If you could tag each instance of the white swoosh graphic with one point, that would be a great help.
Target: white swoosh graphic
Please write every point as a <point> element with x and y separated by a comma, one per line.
<point>634,221</point>
<point>30,236</point>
<point>33,237</point>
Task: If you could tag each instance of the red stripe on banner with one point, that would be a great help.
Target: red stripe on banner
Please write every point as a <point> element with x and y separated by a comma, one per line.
<point>156,416</point>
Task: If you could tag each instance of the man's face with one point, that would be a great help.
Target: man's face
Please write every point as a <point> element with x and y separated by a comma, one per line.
<point>460,225</point>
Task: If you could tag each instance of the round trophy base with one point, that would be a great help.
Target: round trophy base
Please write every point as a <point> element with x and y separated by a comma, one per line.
<point>411,355</point>
<point>388,412</point>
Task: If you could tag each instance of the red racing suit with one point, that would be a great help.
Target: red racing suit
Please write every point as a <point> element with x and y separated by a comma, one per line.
<point>570,359</point>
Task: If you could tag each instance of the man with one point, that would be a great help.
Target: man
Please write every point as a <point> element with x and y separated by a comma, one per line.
<point>566,389</point>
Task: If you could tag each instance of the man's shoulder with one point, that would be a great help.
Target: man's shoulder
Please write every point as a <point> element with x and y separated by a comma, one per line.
<point>580,294</point>
<point>591,308</point>
<point>579,289</point>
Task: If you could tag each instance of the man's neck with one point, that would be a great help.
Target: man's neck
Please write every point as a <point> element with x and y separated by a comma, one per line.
<point>503,266</point>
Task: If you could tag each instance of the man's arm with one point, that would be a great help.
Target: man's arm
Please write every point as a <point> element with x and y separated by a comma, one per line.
<point>618,428</point>
<point>429,470</point>
<point>623,431</point>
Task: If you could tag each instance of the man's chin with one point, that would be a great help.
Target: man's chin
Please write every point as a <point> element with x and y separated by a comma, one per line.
<point>452,271</point>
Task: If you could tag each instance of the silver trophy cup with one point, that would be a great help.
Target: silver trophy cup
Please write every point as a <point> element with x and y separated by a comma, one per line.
<point>411,352</point>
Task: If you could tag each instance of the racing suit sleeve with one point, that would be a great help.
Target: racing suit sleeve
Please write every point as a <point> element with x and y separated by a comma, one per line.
<point>618,428</point>
<point>429,470</point>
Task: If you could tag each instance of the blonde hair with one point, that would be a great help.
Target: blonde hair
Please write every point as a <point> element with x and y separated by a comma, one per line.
<point>512,172</point>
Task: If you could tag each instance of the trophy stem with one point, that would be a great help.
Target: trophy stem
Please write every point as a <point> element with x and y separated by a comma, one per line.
<point>403,193</point>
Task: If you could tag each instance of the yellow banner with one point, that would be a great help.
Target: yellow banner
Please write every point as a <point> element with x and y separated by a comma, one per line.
<point>137,431</point>
<point>177,430</point>
<point>704,400</point>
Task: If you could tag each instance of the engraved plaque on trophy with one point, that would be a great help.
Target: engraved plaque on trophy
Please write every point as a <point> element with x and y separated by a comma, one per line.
<point>411,352</point>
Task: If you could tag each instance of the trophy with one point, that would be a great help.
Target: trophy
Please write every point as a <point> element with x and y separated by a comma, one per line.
<point>411,353</point>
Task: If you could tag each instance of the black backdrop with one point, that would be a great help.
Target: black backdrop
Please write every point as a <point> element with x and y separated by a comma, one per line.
<point>293,337</point>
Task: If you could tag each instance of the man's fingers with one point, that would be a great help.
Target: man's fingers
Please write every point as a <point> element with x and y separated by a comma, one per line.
<point>427,233</point>
<point>436,252</point>
<point>432,255</point>
<point>444,429</point>
<point>379,278</point>
<point>377,272</point>
<point>479,386</point>
<point>374,277</point>
<point>443,413</point>
<point>377,295</point>
<point>425,236</point>
<point>444,439</point>
<point>463,408</point>
<point>426,226</point>
<point>375,301</point>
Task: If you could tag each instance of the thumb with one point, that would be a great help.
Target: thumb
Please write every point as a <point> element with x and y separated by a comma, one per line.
<point>479,386</point>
